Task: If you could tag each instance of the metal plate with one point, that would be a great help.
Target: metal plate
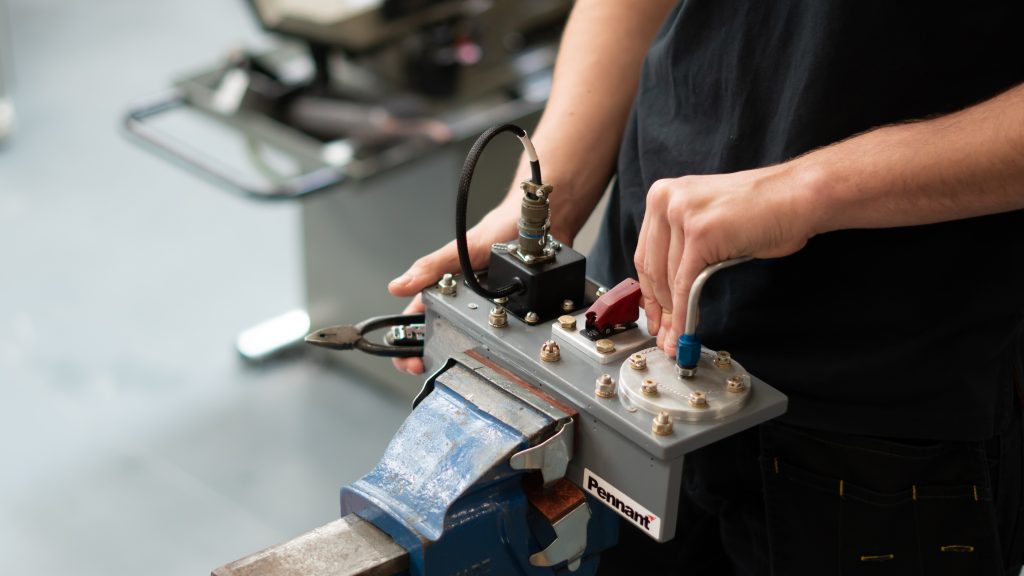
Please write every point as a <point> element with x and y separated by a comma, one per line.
<point>674,393</point>
<point>625,342</point>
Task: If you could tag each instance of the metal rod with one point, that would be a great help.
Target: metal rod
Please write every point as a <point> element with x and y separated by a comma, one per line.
<point>693,303</point>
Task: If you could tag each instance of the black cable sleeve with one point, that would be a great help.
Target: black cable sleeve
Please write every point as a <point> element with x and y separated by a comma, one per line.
<point>535,171</point>
<point>461,203</point>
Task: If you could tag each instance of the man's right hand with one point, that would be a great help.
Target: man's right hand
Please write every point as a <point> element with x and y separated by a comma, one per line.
<point>499,225</point>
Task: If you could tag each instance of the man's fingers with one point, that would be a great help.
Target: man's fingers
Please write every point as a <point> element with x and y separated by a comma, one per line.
<point>411,365</point>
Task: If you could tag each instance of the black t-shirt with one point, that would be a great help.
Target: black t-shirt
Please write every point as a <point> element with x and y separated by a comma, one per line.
<point>905,332</point>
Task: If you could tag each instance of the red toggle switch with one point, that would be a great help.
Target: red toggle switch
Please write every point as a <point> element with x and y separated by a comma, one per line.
<point>620,306</point>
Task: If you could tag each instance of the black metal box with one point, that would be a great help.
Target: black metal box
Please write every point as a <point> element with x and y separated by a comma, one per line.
<point>547,284</point>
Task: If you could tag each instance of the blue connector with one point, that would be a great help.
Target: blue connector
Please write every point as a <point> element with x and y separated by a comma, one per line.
<point>687,351</point>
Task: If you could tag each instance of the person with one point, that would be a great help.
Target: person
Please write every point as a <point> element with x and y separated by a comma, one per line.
<point>870,156</point>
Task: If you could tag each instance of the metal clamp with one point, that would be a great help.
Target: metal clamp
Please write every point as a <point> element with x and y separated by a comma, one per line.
<point>551,456</point>
<point>570,540</point>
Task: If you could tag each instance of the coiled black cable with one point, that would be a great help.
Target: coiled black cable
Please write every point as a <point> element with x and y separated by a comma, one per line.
<point>462,201</point>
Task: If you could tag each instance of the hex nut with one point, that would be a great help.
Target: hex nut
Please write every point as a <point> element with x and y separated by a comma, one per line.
<point>447,286</point>
<point>567,322</point>
<point>722,359</point>
<point>698,399</point>
<point>532,318</point>
<point>550,352</point>
<point>568,305</point>
<point>736,384</point>
<point>638,362</point>
<point>649,387</point>
<point>605,346</point>
<point>605,386</point>
<point>662,425</point>
<point>497,318</point>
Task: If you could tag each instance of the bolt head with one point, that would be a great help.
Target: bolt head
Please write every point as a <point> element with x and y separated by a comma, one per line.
<point>567,322</point>
<point>605,346</point>
<point>532,318</point>
<point>605,386</point>
<point>447,285</point>
<point>601,291</point>
<point>638,361</point>
<point>568,305</point>
<point>497,318</point>
<point>662,425</point>
<point>501,301</point>
<point>698,399</point>
<point>550,352</point>
<point>736,384</point>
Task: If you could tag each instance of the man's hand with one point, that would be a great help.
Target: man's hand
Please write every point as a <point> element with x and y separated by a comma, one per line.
<point>499,225</point>
<point>695,221</point>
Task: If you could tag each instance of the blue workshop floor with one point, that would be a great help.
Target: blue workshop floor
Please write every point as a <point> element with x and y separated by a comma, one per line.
<point>132,438</point>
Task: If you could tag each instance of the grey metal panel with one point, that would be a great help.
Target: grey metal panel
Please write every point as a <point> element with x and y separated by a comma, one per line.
<point>613,442</point>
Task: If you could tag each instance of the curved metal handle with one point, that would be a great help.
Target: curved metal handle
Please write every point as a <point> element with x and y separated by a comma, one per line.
<point>693,302</point>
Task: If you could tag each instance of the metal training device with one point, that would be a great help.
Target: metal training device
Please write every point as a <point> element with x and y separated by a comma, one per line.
<point>549,419</point>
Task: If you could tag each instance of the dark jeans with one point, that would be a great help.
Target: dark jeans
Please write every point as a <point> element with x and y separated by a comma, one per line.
<point>787,501</point>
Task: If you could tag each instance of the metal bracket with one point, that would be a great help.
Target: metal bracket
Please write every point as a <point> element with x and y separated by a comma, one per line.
<point>551,456</point>
<point>570,540</point>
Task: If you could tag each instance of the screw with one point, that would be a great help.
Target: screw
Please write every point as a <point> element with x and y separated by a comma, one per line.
<point>662,425</point>
<point>698,399</point>
<point>447,285</point>
<point>605,387</point>
<point>568,305</point>
<point>497,318</point>
<point>605,346</point>
<point>649,387</point>
<point>601,291</point>
<point>501,301</point>
<point>567,322</point>
<point>549,352</point>
<point>735,384</point>
<point>532,318</point>
<point>638,361</point>
<point>722,359</point>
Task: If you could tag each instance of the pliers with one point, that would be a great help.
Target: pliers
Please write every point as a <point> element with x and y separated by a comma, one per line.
<point>348,337</point>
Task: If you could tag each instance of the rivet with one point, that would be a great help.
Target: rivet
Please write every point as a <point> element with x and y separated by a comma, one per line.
<point>601,291</point>
<point>472,306</point>
<point>605,386</point>
<point>605,346</point>
<point>532,318</point>
<point>662,425</point>
<point>497,318</point>
<point>567,322</point>
<point>649,387</point>
<point>638,361</point>
<point>550,352</point>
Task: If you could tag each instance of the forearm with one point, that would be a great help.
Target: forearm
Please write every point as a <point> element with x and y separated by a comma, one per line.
<point>595,80</point>
<point>969,163</point>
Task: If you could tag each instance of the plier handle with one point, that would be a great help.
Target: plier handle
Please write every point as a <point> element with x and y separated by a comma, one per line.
<point>348,337</point>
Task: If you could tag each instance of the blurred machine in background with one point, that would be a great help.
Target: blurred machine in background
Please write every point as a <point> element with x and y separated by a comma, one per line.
<point>6,102</point>
<point>371,105</point>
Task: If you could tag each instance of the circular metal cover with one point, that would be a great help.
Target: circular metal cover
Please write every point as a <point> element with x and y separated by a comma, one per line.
<point>674,392</point>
